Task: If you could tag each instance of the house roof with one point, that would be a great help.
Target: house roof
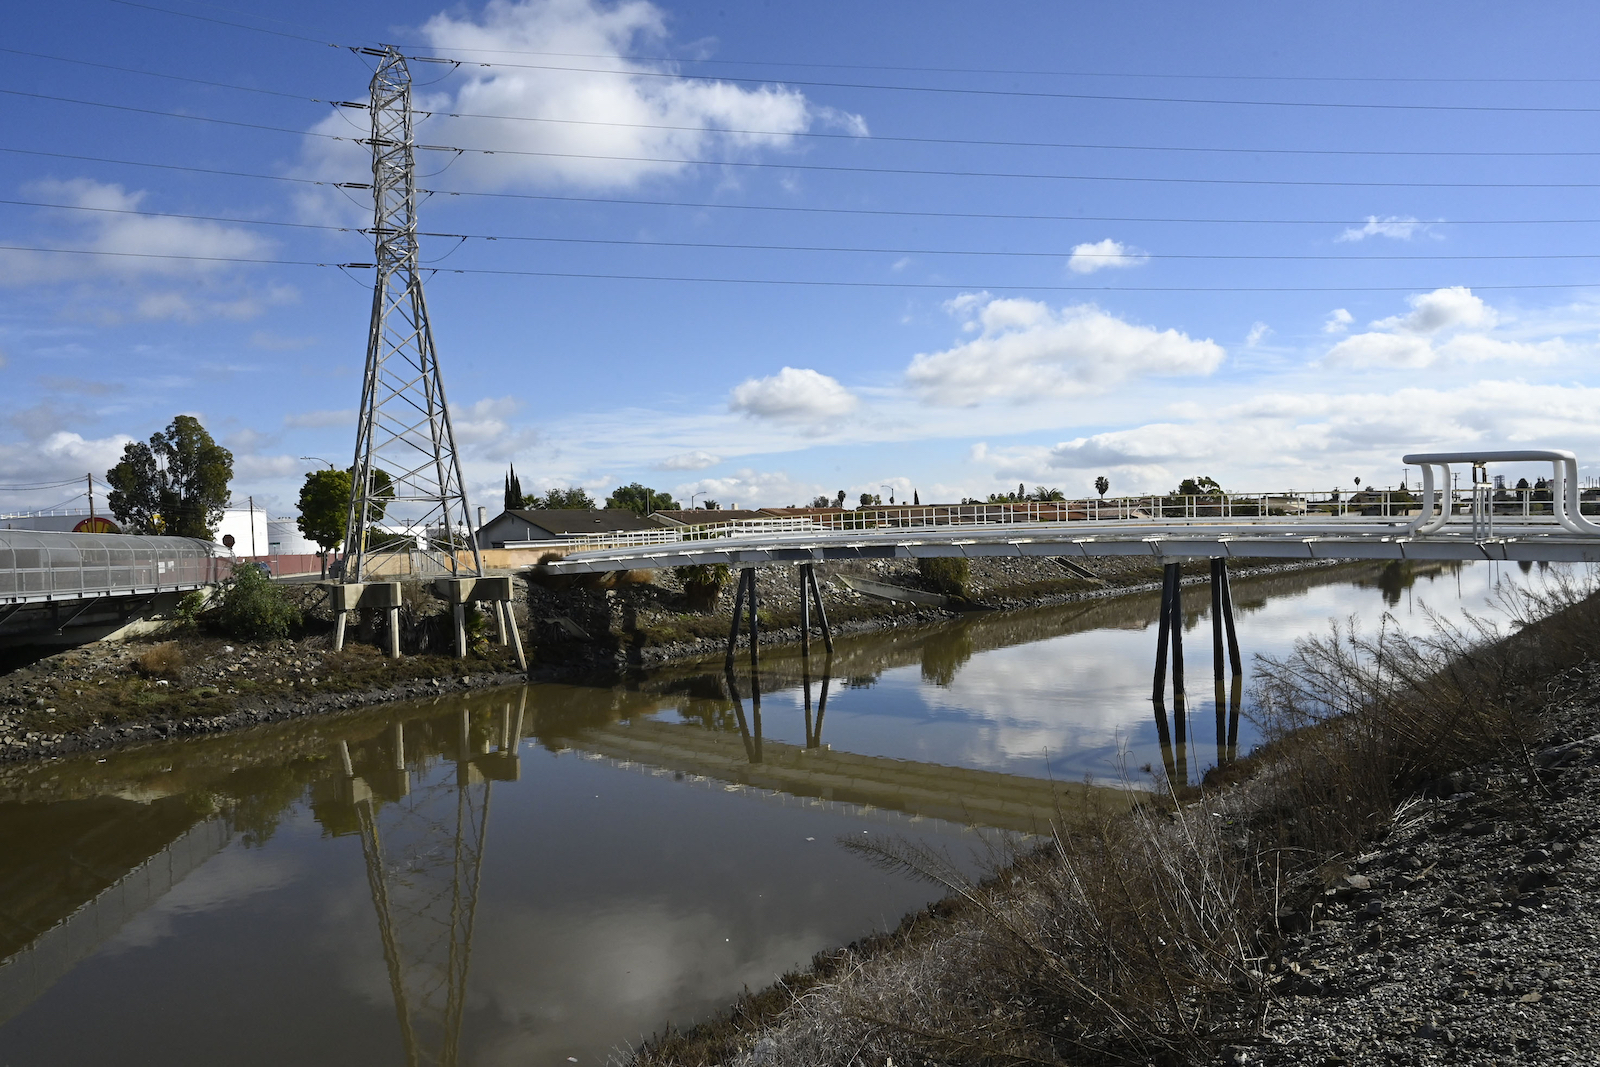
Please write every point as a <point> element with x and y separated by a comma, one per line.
<point>561,521</point>
<point>704,515</point>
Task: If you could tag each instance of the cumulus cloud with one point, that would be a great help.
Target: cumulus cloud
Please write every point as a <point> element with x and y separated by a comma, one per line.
<point>697,460</point>
<point>1025,350</point>
<point>1339,321</point>
<point>1444,325</point>
<point>750,488</point>
<point>129,245</point>
<point>1396,227</point>
<point>793,395</point>
<point>1099,255</point>
<point>612,124</point>
<point>1442,309</point>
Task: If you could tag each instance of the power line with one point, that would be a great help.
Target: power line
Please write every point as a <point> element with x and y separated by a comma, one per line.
<point>876,138</point>
<point>29,486</point>
<point>746,247</point>
<point>796,208</point>
<point>1032,94</point>
<point>835,168</point>
<point>158,74</point>
<point>1474,79</point>
<point>224,22</point>
<point>814,282</point>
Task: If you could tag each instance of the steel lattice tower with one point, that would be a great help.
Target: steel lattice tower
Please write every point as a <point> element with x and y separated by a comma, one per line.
<point>404,429</point>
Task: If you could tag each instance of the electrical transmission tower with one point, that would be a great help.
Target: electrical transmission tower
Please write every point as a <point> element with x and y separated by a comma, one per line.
<point>407,471</point>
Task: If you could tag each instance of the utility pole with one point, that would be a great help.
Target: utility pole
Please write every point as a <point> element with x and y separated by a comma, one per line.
<point>91,500</point>
<point>404,427</point>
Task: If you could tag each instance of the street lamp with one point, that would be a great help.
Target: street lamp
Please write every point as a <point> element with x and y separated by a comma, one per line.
<point>319,459</point>
<point>891,491</point>
<point>691,498</point>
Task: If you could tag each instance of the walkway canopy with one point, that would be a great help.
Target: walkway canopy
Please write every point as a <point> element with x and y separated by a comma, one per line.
<point>39,566</point>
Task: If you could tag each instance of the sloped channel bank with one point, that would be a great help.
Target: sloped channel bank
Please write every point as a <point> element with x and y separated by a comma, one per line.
<point>1456,923</point>
<point>111,694</point>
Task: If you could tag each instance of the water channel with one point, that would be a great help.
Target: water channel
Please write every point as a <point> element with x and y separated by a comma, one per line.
<point>546,874</point>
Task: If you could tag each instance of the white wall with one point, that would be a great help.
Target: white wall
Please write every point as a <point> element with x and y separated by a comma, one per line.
<point>285,539</point>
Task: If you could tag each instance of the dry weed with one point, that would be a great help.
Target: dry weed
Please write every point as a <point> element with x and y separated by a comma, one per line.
<point>165,660</point>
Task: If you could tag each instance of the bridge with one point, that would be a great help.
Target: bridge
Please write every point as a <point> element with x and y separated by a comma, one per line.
<point>1445,524</point>
<point>94,584</point>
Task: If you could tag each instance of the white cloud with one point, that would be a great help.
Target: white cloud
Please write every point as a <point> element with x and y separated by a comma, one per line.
<point>1400,228</point>
<point>1442,309</point>
<point>130,244</point>
<point>601,122</point>
<point>696,460</point>
<point>1027,350</point>
<point>1382,350</point>
<point>1339,321</point>
<point>1411,340</point>
<point>1099,255</point>
<point>793,395</point>
<point>750,488</point>
<point>1258,333</point>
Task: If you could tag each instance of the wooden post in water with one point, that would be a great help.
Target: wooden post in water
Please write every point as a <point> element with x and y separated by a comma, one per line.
<point>755,623</point>
<point>822,612</point>
<point>738,607</point>
<point>1159,689</point>
<point>1227,621</point>
<point>1217,566</point>
<point>1180,711</point>
<point>805,625</point>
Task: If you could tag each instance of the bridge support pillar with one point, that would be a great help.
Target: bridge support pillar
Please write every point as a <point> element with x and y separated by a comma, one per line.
<point>1225,641</point>
<point>495,591</point>
<point>1174,744</point>
<point>809,587</point>
<point>746,596</point>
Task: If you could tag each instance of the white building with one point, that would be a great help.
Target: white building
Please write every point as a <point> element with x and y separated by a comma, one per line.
<point>248,527</point>
<point>285,539</point>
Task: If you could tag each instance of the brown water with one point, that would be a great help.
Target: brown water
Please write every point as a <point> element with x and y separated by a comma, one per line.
<point>548,873</point>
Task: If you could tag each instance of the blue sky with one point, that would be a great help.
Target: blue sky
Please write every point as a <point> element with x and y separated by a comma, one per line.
<point>1014,242</point>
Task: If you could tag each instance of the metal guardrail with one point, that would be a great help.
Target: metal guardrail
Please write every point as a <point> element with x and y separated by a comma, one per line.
<point>1530,507</point>
<point>40,566</point>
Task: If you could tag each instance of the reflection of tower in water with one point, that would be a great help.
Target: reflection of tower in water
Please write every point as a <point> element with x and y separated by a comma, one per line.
<point>422,836</point>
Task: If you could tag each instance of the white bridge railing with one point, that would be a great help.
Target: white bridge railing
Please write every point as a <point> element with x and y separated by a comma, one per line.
<point>1559,505</point>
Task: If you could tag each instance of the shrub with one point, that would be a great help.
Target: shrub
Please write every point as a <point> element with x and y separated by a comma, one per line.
<point>946,574</point>
<point>165,660</point>
<point>186,616</point>
<point>703,584</point>
<point>254,608</point>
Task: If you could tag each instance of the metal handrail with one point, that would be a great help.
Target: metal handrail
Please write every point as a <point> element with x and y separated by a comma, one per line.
<point>1401,509</point>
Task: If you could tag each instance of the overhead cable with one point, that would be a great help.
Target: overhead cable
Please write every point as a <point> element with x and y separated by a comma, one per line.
<point>797,208</point>
<point>875,138</point>
<point>834,168</point>
<point>853,249</point>
<point>820,282</point>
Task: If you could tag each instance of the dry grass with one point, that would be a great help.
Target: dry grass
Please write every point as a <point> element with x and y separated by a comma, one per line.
<point>1140,937</point>
<point>165,660</point>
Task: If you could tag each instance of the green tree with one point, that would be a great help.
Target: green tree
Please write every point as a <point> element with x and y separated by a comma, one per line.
<point>821,502</point>
<point>1041,493</point>
<point>177,484</point>
<point>1198,486</point>
<point>1101,484</point>
<point>560,500</point>
<point>710,505</point>
<point>513,497</point>
<point>325,506</point>
<point>324,510</point>
<point>640,499</point>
